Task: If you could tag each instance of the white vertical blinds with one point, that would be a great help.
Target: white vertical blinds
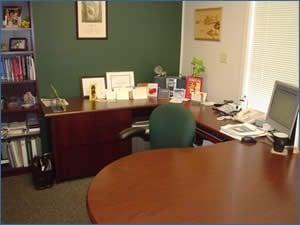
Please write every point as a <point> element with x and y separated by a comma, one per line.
<point>273,51</point>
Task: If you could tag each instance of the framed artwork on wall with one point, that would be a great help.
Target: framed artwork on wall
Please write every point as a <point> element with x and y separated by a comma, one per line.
<point>208,24</point>
<point>91,19</point>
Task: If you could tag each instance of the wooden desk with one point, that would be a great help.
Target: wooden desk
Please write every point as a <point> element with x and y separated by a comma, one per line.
<point>84,138</point>
<point>224,183</point>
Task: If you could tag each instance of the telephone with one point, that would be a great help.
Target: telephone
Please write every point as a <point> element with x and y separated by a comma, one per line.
<point>229,108</point>
<point>248,116</point>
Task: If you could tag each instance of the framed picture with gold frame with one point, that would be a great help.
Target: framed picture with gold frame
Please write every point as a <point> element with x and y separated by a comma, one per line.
<point>208,24</point>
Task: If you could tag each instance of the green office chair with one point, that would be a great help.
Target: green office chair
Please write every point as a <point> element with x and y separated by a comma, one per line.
<point>170,125</point>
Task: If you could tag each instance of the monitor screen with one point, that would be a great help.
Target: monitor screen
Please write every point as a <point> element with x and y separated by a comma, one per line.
<point>283,107</point>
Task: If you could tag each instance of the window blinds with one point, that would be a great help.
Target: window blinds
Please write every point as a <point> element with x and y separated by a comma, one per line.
<point>273,50</point>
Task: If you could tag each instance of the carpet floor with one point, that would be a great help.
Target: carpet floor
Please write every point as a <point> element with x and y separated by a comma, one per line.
<point>63,203</point>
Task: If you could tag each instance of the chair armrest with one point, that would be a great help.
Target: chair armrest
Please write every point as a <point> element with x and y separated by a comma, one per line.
<point>134,132</point>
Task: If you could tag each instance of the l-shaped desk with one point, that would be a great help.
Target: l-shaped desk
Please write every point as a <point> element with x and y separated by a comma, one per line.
<point>84,138</point>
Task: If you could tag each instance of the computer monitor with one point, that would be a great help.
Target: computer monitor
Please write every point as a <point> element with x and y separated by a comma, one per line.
<point>283,108</point>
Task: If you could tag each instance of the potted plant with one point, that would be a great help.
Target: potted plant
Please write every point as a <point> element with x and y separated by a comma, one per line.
<point>198,67</point>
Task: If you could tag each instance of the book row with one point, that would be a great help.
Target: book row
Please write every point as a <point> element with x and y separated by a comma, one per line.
<point>18,68</point>
<point>19,153</point>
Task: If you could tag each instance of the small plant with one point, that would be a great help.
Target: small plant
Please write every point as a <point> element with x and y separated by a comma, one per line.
<point>198,67</point>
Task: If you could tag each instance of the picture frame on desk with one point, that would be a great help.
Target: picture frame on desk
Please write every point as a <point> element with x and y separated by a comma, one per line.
<point>91,19</point>
<point>124,79</point>
<point>87,81</point>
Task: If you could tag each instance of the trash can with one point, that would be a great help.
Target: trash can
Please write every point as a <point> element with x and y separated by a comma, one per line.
<point>42,169</point>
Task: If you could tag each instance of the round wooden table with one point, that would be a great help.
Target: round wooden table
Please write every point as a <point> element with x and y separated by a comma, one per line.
<point>223,183</point>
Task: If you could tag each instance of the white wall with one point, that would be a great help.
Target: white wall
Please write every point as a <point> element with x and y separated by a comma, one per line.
<point>222,80</point>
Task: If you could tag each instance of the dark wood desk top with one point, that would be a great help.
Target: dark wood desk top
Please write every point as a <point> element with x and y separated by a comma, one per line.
<point>224,183</point>
<point>78,105</point>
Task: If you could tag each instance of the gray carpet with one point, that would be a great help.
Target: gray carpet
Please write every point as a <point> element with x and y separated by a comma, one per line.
<point>63,203</point>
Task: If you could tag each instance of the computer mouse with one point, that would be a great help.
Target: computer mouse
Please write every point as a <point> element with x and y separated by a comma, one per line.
<point>248,140</point>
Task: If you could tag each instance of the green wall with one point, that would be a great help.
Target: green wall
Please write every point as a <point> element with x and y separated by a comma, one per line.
<point>141,35</point>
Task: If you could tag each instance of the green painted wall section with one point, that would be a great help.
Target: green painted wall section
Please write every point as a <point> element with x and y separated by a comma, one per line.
<point>141,35</point>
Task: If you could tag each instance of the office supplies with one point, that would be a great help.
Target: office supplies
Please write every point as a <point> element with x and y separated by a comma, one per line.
<point>238,131</point>
<point>228,108</point>
<point>248,115</point>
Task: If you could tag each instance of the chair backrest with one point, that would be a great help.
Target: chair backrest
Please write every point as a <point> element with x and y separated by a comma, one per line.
<point>171,125</point>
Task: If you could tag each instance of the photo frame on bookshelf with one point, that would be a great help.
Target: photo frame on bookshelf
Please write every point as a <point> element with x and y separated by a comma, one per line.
<point>11,16</point>
<point>18,44</point>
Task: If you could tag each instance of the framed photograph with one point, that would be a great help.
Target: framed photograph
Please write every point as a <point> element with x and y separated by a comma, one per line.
<point>91,19</point>
<point>193,85</point>
<point>208,24</point>
<point>123,79</point>
<point>11,16</point>
<point>18,44</point>
<point>179,93</point>
<point>87,81</point>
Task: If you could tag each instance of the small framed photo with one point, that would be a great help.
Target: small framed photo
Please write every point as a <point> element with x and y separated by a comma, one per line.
<point>11,16</point>
<point>123,79</point>
<point>87,81</point>
<point>18,44</point>
<point>179,93</point>
<point>91,19</point>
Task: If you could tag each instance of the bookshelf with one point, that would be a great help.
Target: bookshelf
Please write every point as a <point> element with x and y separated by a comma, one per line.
<point>20,108</point>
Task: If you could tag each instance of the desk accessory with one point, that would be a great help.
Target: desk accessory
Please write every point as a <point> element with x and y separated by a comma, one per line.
<point>139,93</point>
<point>58,105</point>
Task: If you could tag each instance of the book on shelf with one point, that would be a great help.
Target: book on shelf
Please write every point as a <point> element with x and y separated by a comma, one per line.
<point>24,152</point>
<point>18,68</point>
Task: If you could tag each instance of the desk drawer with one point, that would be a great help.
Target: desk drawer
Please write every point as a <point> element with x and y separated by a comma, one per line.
<point>113,118</point>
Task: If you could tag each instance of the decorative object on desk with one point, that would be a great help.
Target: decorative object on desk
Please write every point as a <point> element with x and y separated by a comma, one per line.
<point>152,90</point>
<point>12,16</point>
<point>124,79</point>
<point>58,105</point>
<point>193,85</point>
<point>199,97</point>
<point>92,97</point>
<point>208,24</point>
<point>91,18</point>
<point>18,44</point>
<point>159,71</point>
<point>87,81</point>
<point>139,93</point>
<point>179,93</point>
<point>171,83</point>
<point>111,95</point>
<point>122,93</point>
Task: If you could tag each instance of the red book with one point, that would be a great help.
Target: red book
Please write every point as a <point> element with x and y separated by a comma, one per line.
<point>192,84</point>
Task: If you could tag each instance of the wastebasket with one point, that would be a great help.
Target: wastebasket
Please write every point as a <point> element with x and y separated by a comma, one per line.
<point>42,171</point>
